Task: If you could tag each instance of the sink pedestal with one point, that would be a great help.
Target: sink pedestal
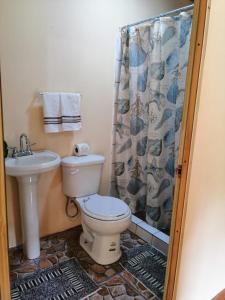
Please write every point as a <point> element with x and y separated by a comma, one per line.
<point>29,214</point>
<point>27,170</point>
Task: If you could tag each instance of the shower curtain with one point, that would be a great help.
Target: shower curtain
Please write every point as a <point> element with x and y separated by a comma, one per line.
<point>151,65</point>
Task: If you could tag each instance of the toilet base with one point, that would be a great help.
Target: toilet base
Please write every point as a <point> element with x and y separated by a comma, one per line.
<point>104,250</point>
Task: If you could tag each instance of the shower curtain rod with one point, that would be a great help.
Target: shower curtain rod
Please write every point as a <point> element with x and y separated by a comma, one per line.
<point>185,8</point>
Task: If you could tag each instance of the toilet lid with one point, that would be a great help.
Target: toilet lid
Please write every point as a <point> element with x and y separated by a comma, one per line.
<point>105,208</point>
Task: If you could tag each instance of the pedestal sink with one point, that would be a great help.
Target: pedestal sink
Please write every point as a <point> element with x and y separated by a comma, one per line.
<point>27,169</point>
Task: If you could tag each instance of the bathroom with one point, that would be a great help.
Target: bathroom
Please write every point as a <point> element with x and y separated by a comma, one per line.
<point>69,46</point>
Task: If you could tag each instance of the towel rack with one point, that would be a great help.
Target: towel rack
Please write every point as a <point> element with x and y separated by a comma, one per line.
<point>42,93</point>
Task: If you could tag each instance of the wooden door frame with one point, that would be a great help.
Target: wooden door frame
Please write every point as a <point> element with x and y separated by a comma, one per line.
<point>196,46</point>
<point>179,205</point>
<point>4,261</point>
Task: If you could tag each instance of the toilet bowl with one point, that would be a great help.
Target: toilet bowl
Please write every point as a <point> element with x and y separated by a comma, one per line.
<point>103,218</point>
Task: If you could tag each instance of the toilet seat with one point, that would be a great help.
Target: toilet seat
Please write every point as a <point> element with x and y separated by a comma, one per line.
<point>105,208</point>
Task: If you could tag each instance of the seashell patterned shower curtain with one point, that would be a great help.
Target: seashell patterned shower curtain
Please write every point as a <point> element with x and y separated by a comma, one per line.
<point>151,65</point>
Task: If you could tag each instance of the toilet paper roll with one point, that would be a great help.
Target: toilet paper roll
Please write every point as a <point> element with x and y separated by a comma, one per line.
<point>81,149</point>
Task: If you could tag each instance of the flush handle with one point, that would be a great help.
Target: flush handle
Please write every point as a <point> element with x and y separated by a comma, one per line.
<point>74,172</point>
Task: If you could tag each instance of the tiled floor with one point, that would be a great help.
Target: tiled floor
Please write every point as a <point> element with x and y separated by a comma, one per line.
<point>113,280</point>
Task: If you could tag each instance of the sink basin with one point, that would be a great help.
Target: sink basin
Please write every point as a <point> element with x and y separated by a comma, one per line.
<point>27,170</point>
<point>37,163</point>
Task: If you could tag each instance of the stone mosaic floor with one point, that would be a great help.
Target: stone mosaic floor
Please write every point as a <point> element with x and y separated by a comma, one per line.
<point>114,282</point>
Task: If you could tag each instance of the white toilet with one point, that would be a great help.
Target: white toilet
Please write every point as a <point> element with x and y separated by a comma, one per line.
<point>103,218</point>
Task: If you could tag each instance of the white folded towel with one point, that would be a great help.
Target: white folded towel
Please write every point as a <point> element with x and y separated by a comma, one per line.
<point>52,112</point>
<point>61,112</point>
<point>70,107</point>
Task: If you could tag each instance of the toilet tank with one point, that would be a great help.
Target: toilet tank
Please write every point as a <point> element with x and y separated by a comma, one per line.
<point>81,174</point>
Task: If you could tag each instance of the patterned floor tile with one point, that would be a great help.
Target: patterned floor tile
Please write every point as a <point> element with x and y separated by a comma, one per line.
<point>114,282</point>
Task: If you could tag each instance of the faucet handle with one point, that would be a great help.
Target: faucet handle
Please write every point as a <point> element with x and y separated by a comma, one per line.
<point>14,151</point>
<point>31,144</point>
<point>29,150</point>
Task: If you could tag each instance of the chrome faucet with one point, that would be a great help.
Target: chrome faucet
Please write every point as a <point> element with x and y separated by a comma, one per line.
<point>24,137</point>
<point>25,147</point>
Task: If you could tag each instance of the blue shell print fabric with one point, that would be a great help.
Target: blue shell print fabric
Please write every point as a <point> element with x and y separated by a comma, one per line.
<point>151,65</point>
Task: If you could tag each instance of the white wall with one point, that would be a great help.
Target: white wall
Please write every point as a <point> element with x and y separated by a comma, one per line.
<point>202,269</point>
<point>55,45</point>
